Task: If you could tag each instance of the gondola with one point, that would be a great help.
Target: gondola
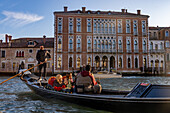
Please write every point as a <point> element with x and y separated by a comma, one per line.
<point>143,98</point>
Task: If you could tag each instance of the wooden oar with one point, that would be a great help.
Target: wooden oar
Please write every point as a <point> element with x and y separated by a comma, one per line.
<point>19,74</point>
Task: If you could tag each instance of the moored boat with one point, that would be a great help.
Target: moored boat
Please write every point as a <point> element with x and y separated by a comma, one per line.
<point>143,98</point>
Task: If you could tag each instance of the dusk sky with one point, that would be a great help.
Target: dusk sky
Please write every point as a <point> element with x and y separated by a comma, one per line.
<point>34,18</point>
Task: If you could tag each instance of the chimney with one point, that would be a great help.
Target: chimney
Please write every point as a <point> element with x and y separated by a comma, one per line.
<point>65,9</point>
<point>83,9</point>
<point>123,10</point>
<point>10,38</point>
<point>138,12</point>
<point>44,39</point>
<point>126,10</point>
<point>6,38</point>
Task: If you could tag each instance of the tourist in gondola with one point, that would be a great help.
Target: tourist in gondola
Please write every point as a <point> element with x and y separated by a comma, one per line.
<point>58,83</point>
<point>41,57</point>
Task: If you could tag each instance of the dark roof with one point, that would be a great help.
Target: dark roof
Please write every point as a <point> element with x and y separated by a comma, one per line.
<point>102,12</point>
<point>23,42</point>
<point>158,28</point>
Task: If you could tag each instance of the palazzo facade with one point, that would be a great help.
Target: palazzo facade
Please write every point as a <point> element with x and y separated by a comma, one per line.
<point>104,39</point>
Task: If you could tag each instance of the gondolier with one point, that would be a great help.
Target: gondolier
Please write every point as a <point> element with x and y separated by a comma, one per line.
<point>41,57</point>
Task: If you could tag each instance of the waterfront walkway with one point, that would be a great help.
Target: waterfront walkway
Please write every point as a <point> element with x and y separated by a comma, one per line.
<point>114,75</point>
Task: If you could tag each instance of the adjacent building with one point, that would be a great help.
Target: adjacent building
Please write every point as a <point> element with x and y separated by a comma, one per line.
<point>104,39</point>
<point>14,52</point>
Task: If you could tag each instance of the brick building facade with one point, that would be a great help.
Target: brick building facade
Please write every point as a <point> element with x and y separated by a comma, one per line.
<point>23,51</point>
<point>104,39</point>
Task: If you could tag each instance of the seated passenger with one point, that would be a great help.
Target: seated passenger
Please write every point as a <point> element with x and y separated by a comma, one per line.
<point>58,83</point>
<point>86,82</point>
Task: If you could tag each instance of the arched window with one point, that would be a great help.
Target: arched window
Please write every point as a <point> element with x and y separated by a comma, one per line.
<point>114,44</point>
<point>136,62</point>
<point>70,27</point>
<point>161,46</point>
<point>102,44</point>
<point>136,45</point>
<point>78,62</point>
<point>161,64</point>
<point>59,62</point>
<point>59,43</point>
<point>110,44</point>
<point>128,45</point>
<point>95,27</point>
<point>78,43</point>
<point>128,28</point>
<point>70,62</point>
<point>89,61</point>
<point>17,55</point>
<point>151,63</point>
<point>89,44</point>
<point>106,45</point>
<point>120,45</point>
<point>110,28</point>
<point>135,29</point>
<point>98,27</point>
<point>102,27</point>
<point>113,28</point>
<point>71,44</point>
<point>166,33</point>
<point>99,47</point>
<point>120,62</point>
<point>22,54</point>
<point>144,45</point>
<point>156,46</point>
<point>106,28</point>
<point>95,44</point>
<point>119,28</point>
<point>144,62</point>
<point>129,63</point>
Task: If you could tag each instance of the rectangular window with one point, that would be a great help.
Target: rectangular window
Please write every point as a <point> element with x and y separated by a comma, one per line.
<point>78,25</point>
<point>119,26</point>
<point>3,65</point>
<point>60,23</point>
<point>135,27</point>
<point>3,54</point>
<point>88,25</point>
<point>127,26</point>
<point>144,27</point>
<point>167,44</point>
<point>70,25</point>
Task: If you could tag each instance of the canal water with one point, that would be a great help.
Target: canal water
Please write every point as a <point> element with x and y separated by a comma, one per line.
<point>16,97</point>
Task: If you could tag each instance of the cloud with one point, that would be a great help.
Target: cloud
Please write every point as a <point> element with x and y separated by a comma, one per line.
<point>17,19</point>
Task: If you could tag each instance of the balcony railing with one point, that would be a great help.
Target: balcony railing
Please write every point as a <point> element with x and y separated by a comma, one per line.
<point>78,50</point>
<point>59,50</point>
<point>135,33</point>
<point>144,34</point>
<point>136,50</point>
<point>157,51</point>
<point>129,51</point>
<point>70,50</point>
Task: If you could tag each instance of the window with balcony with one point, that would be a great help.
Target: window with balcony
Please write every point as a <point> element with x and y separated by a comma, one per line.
<point>110,45</point>
<point>110,29</point>
<point>99,45</point>
<point>167,44</point>
<point>71,44</point>
<point>78,44</point>
<point>161,46</point>
<point>102,28</point>
<point>103,44</point>
<point>114,44</point>
<point>156,46</point>
<point>95,44</point>
<point>120,45</point>
<point>59,44</point>
<point>119,28</point>
<point>106,45</point>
